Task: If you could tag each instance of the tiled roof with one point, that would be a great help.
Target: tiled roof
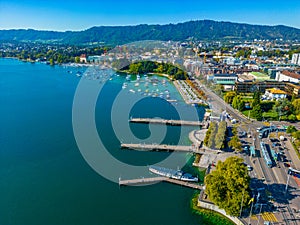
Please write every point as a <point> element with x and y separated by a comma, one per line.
<point>290,74</point>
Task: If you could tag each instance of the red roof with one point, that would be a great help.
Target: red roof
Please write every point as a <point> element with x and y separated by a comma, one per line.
<point>290,74</point>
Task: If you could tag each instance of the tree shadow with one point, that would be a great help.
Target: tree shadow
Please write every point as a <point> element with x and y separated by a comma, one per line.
<point>268,197</point>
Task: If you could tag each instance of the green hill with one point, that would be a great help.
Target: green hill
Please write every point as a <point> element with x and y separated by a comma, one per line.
<point>200,30</point>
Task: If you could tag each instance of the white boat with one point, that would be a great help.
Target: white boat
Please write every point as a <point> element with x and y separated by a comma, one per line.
<point>174,174</point>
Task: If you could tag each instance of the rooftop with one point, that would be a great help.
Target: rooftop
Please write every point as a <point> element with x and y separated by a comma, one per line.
<point>276,91</point>
<point>291,74</point>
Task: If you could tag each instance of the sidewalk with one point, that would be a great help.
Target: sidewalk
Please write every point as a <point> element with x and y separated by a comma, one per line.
<point>293,154</point>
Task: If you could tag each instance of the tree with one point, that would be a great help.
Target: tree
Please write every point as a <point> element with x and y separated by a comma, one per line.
<point>219,89</point>
<point>256,99</point>
<point>235,143</point>
<point>256,112</point>
<point>296,135</point>
<point>296,105</point>
<point>51,61</point>
<point>235,102</point>
<point>283,107</point>
<point>228,97</point>
<point>292,117</point>
<point>241,105</point>
<point>228,185</point>
<point>291,129</point>
<point>77,59</point>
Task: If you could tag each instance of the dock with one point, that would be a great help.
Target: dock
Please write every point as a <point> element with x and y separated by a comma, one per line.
<point>167,148</point>
<point>141,181</point>
<point>168,122</point>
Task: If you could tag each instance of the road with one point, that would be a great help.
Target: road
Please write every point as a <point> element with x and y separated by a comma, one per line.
<point>273,179</point>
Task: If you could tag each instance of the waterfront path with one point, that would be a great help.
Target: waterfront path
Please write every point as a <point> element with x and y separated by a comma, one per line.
<point>141,181</point>
<point>168,122</point>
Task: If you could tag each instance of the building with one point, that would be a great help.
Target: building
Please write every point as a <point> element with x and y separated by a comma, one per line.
<point>274,94</point>
<point>82,58</point>
<point>296,59</point>
<point>248,87</point>
<point>232,61</point>
<point>227,80</point>
<point>288,76</point>
<point>95,59</point>
<point>292,89</point>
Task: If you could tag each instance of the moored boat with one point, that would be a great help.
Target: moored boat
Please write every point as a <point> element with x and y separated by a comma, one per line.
<point>174,174</point>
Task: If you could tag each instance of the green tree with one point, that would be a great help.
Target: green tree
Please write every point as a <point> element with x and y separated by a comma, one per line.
<point>218,89</point>
<point>228,97</point>
<point>292,117</point>
<point>296,135</point>
<point>236,101</point>
<point>77,59</point>
<point>241,105</point>
<point>296,105</point>
<point>256,112</point>
<point>235,143</point>
<point>228,185</point>
<point>256,99</point>
<point>291,129</point>
<point>283,107</point>
<point>51,61</point>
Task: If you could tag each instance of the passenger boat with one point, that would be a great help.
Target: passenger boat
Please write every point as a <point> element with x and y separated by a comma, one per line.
<point>174,174</point>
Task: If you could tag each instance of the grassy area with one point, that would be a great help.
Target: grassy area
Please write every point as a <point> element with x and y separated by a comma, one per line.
<point>258,74</point>
<point>271,115</point>
<point>246,113</point>
<point>208,216</point>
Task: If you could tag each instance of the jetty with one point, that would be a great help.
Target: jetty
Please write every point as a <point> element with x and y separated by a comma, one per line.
<point>142,181</point>
<point>168,122</point>
<point>167,148</point>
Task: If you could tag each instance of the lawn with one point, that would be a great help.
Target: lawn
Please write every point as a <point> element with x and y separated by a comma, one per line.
<point>270,115</point>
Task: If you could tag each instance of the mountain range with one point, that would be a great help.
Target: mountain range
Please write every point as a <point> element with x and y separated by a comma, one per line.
<point>200,30</point>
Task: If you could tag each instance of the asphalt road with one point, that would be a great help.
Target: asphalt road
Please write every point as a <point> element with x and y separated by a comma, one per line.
<point>273,179</point>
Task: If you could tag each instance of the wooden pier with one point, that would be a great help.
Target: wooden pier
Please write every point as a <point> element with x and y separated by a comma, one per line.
<point>168,122</point>
<point>167,148</point>
<point>141,181</point>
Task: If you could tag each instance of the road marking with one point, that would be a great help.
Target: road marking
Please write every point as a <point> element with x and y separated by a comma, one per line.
<point>297,180</point>
<point>254,217</point>
<point>269,217</point>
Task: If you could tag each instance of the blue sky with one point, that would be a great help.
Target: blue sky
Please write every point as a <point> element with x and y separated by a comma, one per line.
<point>79,15</point>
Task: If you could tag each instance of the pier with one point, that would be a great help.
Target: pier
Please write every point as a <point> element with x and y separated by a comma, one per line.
<point>168,122</point>
<point>163,147</point>
<point>141,181</point>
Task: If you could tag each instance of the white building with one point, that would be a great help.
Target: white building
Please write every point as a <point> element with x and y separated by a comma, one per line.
<point>274,94</point>
<point>288,76</point>
<point>296,59</point>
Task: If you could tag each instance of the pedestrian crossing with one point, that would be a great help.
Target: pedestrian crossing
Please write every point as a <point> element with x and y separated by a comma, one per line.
<point>268,216</point>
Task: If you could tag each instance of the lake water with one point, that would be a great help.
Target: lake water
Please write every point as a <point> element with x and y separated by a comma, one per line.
<point>43,177</point>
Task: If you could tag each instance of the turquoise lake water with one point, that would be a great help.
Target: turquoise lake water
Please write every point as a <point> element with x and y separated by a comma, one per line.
<point>43,177</point>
